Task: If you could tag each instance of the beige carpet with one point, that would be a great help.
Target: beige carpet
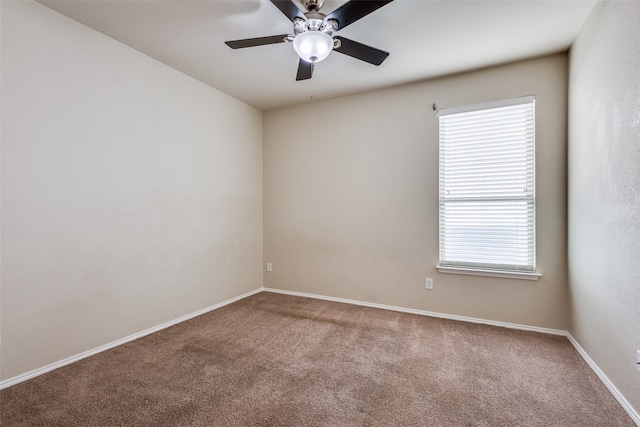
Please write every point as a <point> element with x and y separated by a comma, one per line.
<point>277,360</point>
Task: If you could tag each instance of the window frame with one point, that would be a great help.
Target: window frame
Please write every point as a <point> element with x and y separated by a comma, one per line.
<point>475,268</point>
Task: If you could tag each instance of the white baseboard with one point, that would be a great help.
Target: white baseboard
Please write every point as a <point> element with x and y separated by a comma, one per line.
<point>36,372</point>
<point>607,382</point>
<point>423,312</point>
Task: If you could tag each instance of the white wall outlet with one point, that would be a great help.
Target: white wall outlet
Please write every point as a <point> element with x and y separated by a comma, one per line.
<point>428,283</point>
<point>638,360</point>
<point>269,267</point>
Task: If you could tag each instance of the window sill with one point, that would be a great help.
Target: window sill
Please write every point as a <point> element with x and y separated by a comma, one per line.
<point>490,273</point>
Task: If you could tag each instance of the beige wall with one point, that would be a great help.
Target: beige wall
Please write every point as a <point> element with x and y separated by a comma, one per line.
<point>131,193</point>
<point>351,197</point>
<point>604,192</point>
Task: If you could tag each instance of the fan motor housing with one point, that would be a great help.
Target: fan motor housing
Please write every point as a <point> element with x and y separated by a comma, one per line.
<point>312,5</point>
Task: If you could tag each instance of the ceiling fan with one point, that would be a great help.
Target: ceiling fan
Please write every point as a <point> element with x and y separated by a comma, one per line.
<point>312,33</point>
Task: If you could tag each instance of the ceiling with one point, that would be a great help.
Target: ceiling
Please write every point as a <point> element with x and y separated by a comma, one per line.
<point>425,38</point>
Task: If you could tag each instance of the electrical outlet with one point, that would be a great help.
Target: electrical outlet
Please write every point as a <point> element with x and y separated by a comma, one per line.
<point>269,267</point>
<point>428,283</point>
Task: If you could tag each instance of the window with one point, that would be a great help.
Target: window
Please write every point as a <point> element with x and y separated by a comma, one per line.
<point>487,189</point>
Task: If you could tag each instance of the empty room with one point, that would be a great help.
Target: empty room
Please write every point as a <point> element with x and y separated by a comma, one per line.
<point>320,213</point>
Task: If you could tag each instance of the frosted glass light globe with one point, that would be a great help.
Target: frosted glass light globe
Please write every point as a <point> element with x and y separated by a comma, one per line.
<point>313,46</point>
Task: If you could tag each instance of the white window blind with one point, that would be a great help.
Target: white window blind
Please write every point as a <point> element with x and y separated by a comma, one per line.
<point>487,186</point>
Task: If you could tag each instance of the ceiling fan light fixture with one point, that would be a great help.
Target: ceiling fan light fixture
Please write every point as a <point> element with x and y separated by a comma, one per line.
<point>313,30</point>
<point>313,46</point>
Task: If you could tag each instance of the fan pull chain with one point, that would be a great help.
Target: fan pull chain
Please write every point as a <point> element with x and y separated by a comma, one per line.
<point>312,91</point>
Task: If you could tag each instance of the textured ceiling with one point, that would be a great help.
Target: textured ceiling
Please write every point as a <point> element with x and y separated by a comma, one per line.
<point>425,38</point>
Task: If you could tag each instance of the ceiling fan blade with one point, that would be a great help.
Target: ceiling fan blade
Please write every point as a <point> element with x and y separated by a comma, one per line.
<point>351,11</point>
<point>305,70</point>
<point>289,8</point>
<point>258,41</point>
<point>361,51</point>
